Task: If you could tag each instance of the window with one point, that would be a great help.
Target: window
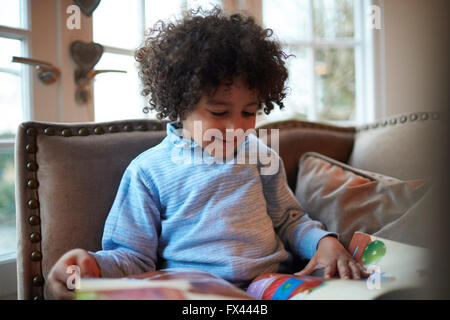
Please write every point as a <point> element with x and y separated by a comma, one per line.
<point>326,73</point>
<point>14,38</point>
<point>120,29</point>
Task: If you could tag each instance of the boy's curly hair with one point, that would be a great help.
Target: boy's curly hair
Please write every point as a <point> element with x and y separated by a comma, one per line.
<point>178,63</point>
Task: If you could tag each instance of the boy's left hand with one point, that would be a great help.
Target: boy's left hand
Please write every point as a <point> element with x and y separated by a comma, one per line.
<point>332,256</point>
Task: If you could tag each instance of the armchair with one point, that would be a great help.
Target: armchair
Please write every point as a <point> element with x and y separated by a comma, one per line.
<point>67,175</point>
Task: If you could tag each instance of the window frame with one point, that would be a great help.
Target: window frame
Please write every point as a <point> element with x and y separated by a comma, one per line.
<point>122,50</point>
<point>8,265</point>
<point>368,46</point>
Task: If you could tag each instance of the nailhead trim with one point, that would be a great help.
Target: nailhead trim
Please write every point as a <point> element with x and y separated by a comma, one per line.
<point>32,166</point>
<point>49,131</point>
<point>38,280</point>
<point>35,237</point>
<point>66,132</point>
<point>289,124</point>
<point>113,128</point>
<point>34,220</point>
<point>83,132</point>
<point>402,119</point>
<point>32,183</point>
<point>36,255</point>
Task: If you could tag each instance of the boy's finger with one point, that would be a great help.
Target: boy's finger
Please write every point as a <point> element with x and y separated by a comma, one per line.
<point>344,270</point>
<point>310,267</point>
<point>356,272</point>
<point>364,271</point>
<point>330,270</point>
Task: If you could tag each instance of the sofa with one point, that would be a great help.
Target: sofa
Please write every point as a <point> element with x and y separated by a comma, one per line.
<point>67,174</point>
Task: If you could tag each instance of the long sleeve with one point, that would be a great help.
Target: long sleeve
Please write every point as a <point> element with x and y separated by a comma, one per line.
<point>130,238</point>
<point>296,229</point>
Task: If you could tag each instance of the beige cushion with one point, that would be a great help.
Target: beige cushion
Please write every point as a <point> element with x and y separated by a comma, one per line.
<point>347,199</point>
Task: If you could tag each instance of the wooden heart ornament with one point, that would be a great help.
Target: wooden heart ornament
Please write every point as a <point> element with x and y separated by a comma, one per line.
<point>87,6</point>
<point>85,55</point>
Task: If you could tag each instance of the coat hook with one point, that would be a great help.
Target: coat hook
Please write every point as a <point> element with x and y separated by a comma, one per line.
<point>86,56</point>
<point>46,72</point>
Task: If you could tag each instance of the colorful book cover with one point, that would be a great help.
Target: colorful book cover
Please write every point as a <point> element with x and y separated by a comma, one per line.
<point>393,266</point>
<point>174,284</point>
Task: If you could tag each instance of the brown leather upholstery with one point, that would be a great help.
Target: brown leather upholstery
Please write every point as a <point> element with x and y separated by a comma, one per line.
<point>299,137</point>
<point>67,176</point>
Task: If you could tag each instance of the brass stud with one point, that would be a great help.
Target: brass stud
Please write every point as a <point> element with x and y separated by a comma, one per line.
<point>31,132</point>
<point>384,123</point>
<point>435,115</point>
<point>113,128</point>
<point>66,133</point>
<point>32,166</point>
<point>34,220</point>
<point>35,237</point>
<point>38,280</point>
<point>31,148</point>
<point>424,116</point>
<point>98,130</point>
<point>49,131</point>
<point>36,255</point>
<point>32,183</point>
<point>403,119</point>
<point>413,117</point>
<point>393,121</point>
<point>128,127</point>
<point>37,298</point>
<point>142,127</point>
<point>83,132</point>
<point>375,125</point>
<point>33,204</point>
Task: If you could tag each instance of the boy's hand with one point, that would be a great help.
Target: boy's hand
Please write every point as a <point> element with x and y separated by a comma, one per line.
<point>57,278</point>
<point>332,256</point>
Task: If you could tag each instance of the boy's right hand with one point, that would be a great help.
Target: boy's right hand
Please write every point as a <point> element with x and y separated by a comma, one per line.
<point>57,278</point>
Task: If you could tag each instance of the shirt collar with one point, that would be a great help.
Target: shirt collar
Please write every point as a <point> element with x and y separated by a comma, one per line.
<point>174,131</point>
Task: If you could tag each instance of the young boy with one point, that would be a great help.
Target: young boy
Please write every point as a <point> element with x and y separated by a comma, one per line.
<point>223,217</point>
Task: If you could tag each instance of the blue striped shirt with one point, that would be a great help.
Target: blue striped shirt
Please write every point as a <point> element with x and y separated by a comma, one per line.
<point>173,211</point>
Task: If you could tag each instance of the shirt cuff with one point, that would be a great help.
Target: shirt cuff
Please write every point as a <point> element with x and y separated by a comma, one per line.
<point>107,269</point>
<point>310,240</point>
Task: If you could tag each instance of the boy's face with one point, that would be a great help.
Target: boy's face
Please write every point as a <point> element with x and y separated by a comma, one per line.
<point>232,107</point>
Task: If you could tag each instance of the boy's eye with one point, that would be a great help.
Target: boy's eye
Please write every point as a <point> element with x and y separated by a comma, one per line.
<point>248,114</point>
<point>218,114</point>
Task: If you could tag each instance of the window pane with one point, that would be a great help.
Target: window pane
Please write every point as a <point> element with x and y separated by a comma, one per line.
<point>10,87</point>
<point>161,10</point>
<point>335,84</point>
<point>333,18</point>
<point>12,13</point>
<point>289,19</point>
<point>205,4</point>
<point>117,95</point>
<point>7,204</point>
<point>299,81</point>
<point>117,24</point>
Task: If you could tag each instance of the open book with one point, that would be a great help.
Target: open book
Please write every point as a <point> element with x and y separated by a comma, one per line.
<point>393,266</point>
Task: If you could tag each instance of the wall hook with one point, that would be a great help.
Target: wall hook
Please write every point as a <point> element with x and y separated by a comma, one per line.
<point>46,72</point>
<point>86,56</point>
